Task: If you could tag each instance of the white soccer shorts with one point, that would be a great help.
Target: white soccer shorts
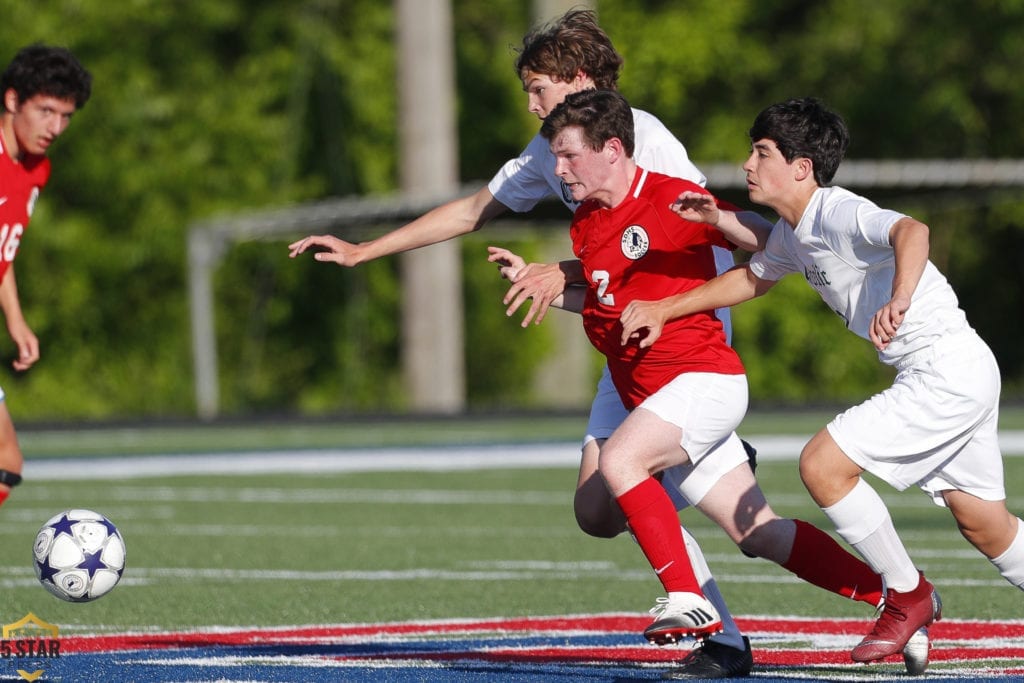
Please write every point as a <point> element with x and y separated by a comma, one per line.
<point>707,407</point>
<point>936,426</point>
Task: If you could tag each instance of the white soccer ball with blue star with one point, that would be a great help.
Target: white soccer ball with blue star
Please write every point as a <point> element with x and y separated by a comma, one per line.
<point>79,555</point>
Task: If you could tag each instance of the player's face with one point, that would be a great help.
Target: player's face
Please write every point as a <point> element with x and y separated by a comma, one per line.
<point>544,93</point>
<point>584,171</point>
<point>768,173</point>
<point>37,121</point>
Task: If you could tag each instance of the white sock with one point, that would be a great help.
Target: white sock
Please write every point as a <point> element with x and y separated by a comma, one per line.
<point>863,521</point>
<point>1011,563</point>
<point>730,635</point>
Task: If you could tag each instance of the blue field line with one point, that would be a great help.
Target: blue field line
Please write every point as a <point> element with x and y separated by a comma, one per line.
<point>531,653</point>
<point>209,665</point>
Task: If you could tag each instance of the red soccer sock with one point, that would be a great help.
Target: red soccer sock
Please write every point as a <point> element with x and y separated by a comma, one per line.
<point>3,495</point>
<point>817,558</point>
<point>653,520</point>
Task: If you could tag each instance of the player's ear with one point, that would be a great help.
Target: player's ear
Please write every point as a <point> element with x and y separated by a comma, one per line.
<point>613,146</point>
<point>583,81</point>
<point>803,167</point>
<point>11,100</point>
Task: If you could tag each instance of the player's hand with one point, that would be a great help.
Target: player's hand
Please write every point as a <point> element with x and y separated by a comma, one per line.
<point>887,320</point>
<point>509,263</point>
<point>642,322</point>
<point>541,283</point>
<point>331,249</point>
<point>28,346</point>
<point>698,207</point>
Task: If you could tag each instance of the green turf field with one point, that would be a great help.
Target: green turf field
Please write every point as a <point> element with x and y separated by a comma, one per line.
<point>246,550</point>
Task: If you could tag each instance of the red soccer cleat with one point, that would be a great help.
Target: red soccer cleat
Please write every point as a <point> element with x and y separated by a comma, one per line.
<point>902,615</point>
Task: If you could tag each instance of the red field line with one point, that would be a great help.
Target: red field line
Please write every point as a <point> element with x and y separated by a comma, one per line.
<point>960,632</point>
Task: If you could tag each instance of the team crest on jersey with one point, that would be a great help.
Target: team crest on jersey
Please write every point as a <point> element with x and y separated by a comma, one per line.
<point>635,242</point>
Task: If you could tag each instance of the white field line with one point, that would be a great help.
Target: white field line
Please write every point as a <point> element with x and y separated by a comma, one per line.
<point>769,448</point>
<point>11,577</point>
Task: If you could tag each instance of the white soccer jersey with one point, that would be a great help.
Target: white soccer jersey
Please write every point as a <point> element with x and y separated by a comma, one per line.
<point>841,246</point>
<point>530,177</point>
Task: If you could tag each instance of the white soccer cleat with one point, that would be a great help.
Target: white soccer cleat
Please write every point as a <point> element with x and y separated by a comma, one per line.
<point>682,615</point>
<point>915,652</point>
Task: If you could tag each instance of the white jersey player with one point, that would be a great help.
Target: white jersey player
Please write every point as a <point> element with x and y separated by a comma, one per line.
<point>935,428</point>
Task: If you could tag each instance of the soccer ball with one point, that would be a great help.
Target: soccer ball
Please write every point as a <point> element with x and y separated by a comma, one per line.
<point>78,555</point>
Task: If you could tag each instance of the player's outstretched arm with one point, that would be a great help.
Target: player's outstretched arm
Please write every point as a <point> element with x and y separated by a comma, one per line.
<point>746,229</point>
<point>544,285</point>
<point>643,321</point>
<point>21,334</point>
<point>457,217</point>
<point>909,239</point>
<point>755,229</point>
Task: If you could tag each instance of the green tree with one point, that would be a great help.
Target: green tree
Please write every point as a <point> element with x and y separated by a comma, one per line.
<point>210,108</point>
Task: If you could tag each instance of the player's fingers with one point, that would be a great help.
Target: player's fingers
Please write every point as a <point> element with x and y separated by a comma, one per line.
<point>307,242</point>
<point>520,299</point>
<point>327,256</point>
<point>513,291</point>
<point>653,333</point>
<point>514,302</point>
<point>627,332</point>
<point>877,331</point>
<point>495,254</point>
<point>539,309</point>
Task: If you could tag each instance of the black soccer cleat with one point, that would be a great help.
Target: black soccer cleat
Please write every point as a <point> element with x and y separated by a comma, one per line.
<point>713,660</point>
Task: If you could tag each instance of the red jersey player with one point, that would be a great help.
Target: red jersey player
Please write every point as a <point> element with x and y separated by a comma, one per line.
<point>42,87</point>
<point>636,249</point>
<point>688,392</point>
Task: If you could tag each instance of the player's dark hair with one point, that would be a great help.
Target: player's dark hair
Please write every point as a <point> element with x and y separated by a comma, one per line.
<point>43,70</point>
<point>601,114</point>
<point>805,128</point>
<point>572,43</point>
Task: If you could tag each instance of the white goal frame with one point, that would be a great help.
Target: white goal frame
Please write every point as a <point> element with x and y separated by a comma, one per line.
<point>209,240</point>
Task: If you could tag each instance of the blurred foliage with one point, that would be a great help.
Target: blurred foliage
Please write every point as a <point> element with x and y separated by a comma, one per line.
<point>209,108</point>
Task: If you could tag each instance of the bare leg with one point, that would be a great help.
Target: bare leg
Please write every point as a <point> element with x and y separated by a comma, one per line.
<point>10,453</point>
<point>993,530</point>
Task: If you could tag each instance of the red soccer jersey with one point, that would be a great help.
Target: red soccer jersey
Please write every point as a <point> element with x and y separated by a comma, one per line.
<point>20,185</point>
<point>642,250</point>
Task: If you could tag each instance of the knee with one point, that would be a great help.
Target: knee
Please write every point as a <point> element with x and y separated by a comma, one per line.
<point>809,470</point>
<point>598,518</point>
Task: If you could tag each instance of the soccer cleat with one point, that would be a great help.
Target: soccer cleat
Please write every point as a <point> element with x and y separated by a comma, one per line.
<point>915,652</point>
<point>902,615</point>
<point>682,615</point>
<point>714,660</point>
